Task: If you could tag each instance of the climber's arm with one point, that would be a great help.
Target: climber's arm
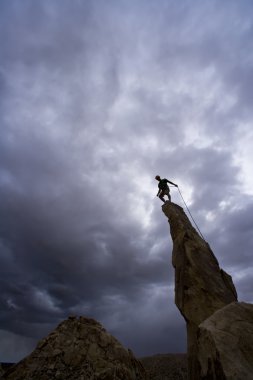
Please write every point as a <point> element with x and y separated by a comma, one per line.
<point>172,183</point>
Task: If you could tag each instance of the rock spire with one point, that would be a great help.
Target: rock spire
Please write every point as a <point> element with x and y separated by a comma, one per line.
<point>201,286</point>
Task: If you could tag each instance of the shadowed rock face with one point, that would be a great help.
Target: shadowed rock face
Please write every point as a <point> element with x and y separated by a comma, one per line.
<point>78,349</point>
<point>201,286</point>
<point>225,343</point>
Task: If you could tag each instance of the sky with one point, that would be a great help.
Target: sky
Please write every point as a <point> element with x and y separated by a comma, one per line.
<point>96,98</point>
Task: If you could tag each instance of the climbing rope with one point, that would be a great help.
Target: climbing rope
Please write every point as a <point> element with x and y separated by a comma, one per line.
<point>190,214</point>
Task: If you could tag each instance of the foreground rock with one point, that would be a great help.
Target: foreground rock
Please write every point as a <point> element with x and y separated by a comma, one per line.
<point>78,349</point>
<point>201,286</point>
<point>225,344</point>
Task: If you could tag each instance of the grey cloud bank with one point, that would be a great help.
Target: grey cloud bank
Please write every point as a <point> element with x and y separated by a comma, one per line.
<point>96,99</point>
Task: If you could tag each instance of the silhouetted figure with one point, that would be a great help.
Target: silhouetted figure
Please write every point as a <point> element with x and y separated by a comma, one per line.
<point>164,188</point>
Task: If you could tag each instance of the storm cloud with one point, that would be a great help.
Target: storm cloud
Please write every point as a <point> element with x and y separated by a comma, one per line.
<point>96,98</point>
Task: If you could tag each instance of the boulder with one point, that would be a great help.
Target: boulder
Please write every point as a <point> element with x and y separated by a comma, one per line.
<point>201,286</point>
<point>78,349</point>
<point>225,344</point>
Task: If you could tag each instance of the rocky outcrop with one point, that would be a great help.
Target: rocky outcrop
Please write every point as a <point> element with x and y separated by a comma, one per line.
<point>78,349</point>
<point>201,286</point>
<point>225,344</point>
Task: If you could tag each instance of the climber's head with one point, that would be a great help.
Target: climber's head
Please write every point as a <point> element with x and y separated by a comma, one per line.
<point>158,178</point>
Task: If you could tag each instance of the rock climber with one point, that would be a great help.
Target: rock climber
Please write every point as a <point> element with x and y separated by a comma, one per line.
<point>164,188</point>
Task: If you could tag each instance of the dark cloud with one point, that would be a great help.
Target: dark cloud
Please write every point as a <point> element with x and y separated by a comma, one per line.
<point>96,99</point>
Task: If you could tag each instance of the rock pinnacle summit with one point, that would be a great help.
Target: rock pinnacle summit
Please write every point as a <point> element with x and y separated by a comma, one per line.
<point>219,328</point>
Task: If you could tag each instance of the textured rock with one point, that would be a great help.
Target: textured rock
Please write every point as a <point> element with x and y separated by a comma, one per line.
<point>201,286</point>
<point>78,349</point>
<point>225,344</point>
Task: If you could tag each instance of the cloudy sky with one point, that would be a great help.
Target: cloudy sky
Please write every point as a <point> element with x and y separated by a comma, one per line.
<point>96,98</point>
